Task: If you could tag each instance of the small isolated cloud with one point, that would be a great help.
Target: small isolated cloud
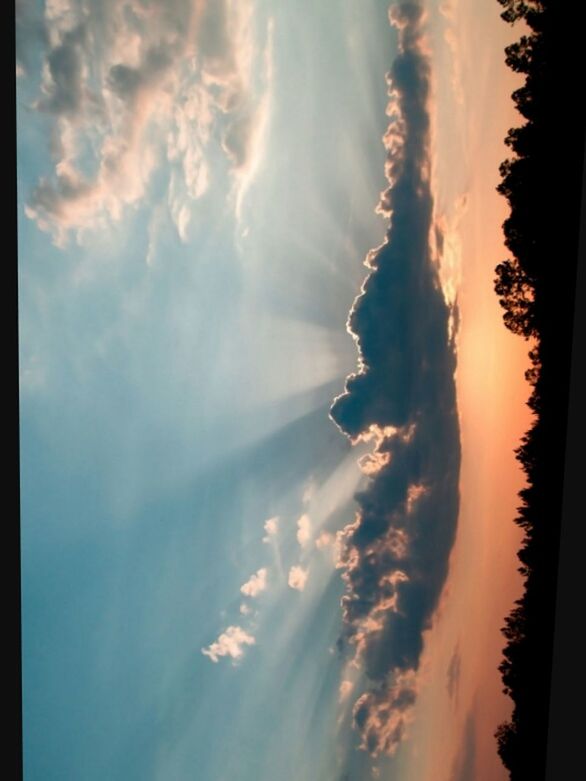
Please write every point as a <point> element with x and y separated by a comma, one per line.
<point>245,609</point>
<point>229,643</point>
<point>453,674</point>
<point>271,528</point>
<point>255,584</point>
<point>298,577</point>
<point>304,530</point>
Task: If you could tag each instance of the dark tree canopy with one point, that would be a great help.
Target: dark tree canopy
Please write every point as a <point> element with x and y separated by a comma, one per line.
<point>529,10</point>
<point>516,297</point>
<point>519,54</point>
<point>540,181</point>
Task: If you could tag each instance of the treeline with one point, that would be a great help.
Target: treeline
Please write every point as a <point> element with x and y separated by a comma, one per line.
<point>536,286</point>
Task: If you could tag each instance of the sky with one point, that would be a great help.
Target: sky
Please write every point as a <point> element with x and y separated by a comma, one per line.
<point>267,403</point>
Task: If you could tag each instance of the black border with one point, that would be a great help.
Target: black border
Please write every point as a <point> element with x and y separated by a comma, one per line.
<point>565,753</point>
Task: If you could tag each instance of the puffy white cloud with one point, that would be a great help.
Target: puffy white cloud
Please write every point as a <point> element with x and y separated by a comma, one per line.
<point>304,530</point>
<point>271,528</point>
<point>255,584</point>
<point>298,577</point>
<point>229,643</point>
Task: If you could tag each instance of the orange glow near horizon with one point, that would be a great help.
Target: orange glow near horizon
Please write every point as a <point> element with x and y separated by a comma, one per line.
<point>459,673</point>
<point>492,394</point>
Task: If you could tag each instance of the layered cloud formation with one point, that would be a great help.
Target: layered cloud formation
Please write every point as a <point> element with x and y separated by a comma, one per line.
<point>131,88</point>
<point>394,556</point>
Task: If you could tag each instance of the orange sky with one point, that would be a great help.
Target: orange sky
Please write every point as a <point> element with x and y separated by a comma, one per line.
<point>491,387</point>
<point>483,580</point>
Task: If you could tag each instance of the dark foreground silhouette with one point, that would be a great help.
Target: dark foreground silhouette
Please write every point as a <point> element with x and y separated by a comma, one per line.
<point>536,287</point>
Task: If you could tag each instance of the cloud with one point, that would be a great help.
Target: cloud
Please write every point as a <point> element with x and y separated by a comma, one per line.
<point>345,690</point>
<point>63,74</point>
<point>383,716</point>
<point>371,463</point>
<point>298,577</point>
<point>30,35</point>
<point>464,767</point>
<point>304,530</point>
<point>255,584</point>
<point>229,643</point>
<point>271,527</point>
<point>325,540</point>
<point>134,88</point>
<point>449,10</point>
<point>453,674</point>
<point>394,555</point>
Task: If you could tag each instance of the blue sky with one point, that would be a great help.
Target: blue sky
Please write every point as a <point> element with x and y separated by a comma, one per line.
<point>174,395</point>
<point>197,183</point>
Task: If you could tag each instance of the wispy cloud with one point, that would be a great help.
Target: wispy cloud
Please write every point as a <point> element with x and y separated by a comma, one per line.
<point>230,643</point>
<point>449,10</point>
<point>345,690</point>
<point>464,768</point>
<point>325,540</point>
<point>453,674</point>
<point>394,555</point>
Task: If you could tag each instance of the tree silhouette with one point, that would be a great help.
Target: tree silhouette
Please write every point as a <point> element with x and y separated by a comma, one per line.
<point>519,54</point>
<point>541,182</point>
<point>516,297</point>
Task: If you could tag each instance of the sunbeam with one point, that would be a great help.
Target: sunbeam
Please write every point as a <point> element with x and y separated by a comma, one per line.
<point>217,582</point>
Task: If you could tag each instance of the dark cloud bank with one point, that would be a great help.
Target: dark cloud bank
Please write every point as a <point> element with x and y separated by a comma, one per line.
<point>395,554</point>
